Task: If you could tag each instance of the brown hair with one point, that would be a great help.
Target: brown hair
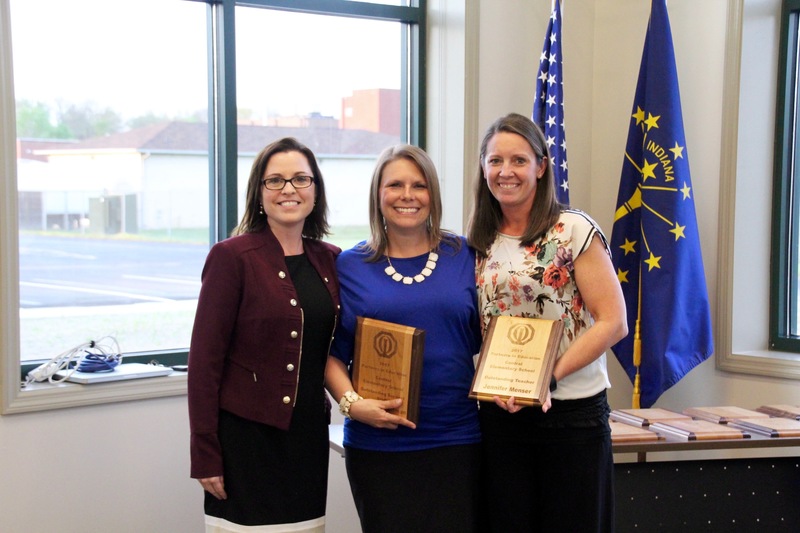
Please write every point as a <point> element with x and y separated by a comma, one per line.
<point>253,221</point>
<point>487,216</point>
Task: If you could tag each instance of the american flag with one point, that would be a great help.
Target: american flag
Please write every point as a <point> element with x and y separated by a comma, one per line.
<point>548,107</point>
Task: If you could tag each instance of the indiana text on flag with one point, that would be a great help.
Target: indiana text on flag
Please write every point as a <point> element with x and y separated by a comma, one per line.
<point>548,105</point>
<point>655,243</point>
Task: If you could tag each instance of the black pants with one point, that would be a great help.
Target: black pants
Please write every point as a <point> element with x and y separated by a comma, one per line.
<point>540,479</point>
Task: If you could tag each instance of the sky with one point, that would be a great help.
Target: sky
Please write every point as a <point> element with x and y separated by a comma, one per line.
<point>135,62</point>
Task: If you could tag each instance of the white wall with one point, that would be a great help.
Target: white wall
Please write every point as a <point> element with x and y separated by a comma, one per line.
<point>124,467</point>
<point>174,191</point>
<point>754,163</point>
<point>121,468</point>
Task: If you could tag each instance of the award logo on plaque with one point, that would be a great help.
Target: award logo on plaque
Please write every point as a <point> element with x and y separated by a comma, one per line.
<point>387,363</point>
<point>517,359</point>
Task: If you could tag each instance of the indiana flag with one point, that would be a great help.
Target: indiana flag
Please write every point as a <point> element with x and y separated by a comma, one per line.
<point>548,106</point>
<point>655,243</point>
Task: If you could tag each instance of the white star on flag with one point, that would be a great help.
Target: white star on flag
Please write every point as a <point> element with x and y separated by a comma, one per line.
<point>550,99</point>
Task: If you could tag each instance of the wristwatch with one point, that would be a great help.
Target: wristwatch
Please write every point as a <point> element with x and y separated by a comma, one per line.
<point>553,383</point>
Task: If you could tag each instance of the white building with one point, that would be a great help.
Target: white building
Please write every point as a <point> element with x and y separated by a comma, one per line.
<point>156,177</point>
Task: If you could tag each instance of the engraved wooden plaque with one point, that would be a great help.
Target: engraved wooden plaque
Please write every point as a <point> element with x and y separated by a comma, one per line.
<point>387,363</point>
<point>517,359</point>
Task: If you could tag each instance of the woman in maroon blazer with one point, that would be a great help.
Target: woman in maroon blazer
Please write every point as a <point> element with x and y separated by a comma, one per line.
<point>267,309</point>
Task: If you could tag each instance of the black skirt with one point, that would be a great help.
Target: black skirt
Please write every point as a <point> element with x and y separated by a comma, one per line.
<point>431,490</point>
<point>271,476</point>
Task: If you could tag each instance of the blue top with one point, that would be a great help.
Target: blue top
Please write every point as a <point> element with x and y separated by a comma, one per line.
<point>445,305</point>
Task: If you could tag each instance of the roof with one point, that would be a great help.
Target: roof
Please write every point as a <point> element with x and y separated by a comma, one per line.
<point>193,137</point>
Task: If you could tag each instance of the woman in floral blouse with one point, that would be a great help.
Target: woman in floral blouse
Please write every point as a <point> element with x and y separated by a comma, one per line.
<point>547,468</point>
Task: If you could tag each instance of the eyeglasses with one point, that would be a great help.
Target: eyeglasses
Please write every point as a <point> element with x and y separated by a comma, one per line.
<point>277,184</point>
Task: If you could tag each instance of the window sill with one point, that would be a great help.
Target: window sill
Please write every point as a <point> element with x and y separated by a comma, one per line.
<point>762,363</point>
<point>47,396</point>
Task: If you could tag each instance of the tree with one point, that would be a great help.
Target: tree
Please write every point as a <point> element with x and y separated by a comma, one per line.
<point>84,121</point>
<point>146,120</point>
<point>33,121</point>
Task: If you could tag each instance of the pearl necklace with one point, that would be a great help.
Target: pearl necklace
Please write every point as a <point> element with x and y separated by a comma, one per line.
<point>419,278</point>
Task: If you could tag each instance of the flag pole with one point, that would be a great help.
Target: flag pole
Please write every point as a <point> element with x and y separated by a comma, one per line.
<point>637,349</point>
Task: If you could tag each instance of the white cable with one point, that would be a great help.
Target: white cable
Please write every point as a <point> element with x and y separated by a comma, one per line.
<point>47,371</point>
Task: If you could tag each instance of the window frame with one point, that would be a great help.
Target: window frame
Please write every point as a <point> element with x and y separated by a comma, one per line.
<point>757,357</point>
<point>783,307</point>
<point>223,201</point>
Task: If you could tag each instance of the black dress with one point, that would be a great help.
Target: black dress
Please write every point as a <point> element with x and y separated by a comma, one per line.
<point>272,476</point>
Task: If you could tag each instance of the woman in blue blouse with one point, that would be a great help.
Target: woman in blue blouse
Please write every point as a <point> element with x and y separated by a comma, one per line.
<point>407,477</point>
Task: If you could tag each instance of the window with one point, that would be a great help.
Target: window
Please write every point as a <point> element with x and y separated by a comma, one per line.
<point>744,312</point>
<point>358,114</point>
<point>117,195</point>
<point>785,269</point>
<point>112,172</point>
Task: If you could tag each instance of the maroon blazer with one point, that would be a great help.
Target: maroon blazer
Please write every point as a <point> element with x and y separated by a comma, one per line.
<point>245,349</point>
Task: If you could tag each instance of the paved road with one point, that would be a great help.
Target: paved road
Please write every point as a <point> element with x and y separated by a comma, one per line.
<point>57,272</point>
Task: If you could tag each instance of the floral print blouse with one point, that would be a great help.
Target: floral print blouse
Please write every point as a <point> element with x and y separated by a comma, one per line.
<point>538,281</point>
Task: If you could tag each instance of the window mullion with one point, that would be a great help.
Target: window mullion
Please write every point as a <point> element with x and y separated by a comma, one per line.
<point>223,140</point>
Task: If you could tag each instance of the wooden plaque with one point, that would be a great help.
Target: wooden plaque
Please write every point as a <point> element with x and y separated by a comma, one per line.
<point>387,363</point>
<point>723,414</point>
<point>769,427</point>
<point>623,432</point>
<point>697,430</point>
<point>517,359</point>
<point>645,417</point>
<point>783,411</point>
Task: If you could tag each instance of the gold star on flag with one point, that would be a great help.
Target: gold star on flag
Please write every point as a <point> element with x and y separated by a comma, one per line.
<point>685,190</point>
<point>622,276</point>
<point>678,231</point>
<point>647,170</point>
<point>677,150</point>
<point>652,122</point>
<point>639,115</point>
<point>628,246</point>
<point>653,262</point>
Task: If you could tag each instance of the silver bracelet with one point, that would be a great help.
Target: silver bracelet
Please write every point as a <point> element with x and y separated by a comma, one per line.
<point>349,398</point>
